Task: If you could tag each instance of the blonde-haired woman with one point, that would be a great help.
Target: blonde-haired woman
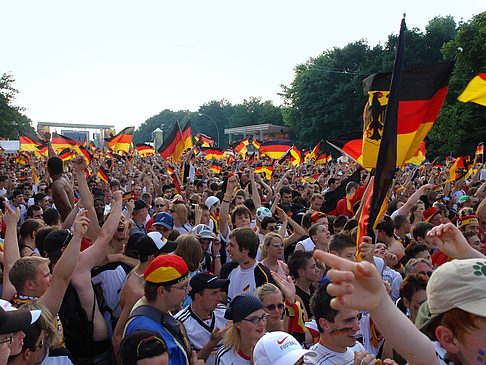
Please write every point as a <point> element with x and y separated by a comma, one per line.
<point>179,213</point>
<point>274,248</point>
<point>249,322</point>
<point>189,248</point>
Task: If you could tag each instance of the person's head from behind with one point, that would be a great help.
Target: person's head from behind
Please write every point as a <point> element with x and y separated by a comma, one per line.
<point>189,248</point>
<point>419,234</point>
<point>455,311</point>
<point>243,245</point>
<point>30,275</point>
<point>412,292</point>
<point>54,166</point>
<point>51,217</point>
<point>338,328</point>
<point>249,320</point>
<point>343,246</point>
<point>339,223</point>
<point>144,347</point>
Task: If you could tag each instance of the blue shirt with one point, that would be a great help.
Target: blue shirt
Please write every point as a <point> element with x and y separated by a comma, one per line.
<point>177,355</point>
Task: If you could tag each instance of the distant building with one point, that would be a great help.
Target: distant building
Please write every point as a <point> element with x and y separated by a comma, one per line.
<point>78,131</point>
<point>260,132</point>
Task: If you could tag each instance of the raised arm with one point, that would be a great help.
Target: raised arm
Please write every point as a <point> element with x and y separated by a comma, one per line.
<point>405,208</point>
<point>11,248</point>
<point>63,270</point>
<point>86,197</point>
<point>224,210</point>
<point>254,191</point>
<point>360,286</point>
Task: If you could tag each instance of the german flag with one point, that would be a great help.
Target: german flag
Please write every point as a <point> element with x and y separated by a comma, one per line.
<point>145,149</point>
<point>388,149</point>
<point>121,142</point>
<point>422,92</point>
<point>275,149</point>
<point>86,154</point>
<point>256,144</point>
<point>457,170</point>
<point>312,179</point>
<point>92,146</point>
<point>129,195</point>
<point>315,151</point>
<point>22,159</point>
<point>207,141</point>
<point>332,197</point>
<point>42,151</point>
<point>173,146</point>
<point>215,168</point>
<point>268,171</point>
<point>176,184</point>
<point>60,142</point>
<point>212,152</point>
<point>296,156</point>
<point>480,149</point>
<point>187,135</point>
<point>84,143</point>
<point>29,141</point>
<point>35,179</point>
<point>66,154</point>
<point>103,174</point>
<point>329,158</point>
<point>475,91</point>
<point>419,156</point>
<point>321,159</point>
<point>241,147</point>
<point>349,144</point>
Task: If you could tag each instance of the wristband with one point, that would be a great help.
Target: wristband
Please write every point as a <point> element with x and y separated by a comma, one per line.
<point>398,266</point>
<point>228,196</point>
<point>226,201</point>
<point>216,256</point>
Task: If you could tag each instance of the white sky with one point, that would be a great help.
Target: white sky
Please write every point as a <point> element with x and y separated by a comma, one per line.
<point>121,62</point>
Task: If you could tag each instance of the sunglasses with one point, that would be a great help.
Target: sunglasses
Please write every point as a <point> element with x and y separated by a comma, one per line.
<point>7,340</point>
<point>272,307</point>
<point>171,210</point>
<point>276,244</point>
<point>256,320</point>
<point>159,205</point>
<point>271,229</point>
<point>185,287</point>
<point>428,273</point>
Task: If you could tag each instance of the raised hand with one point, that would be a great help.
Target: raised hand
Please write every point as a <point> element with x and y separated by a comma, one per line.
<point>79,163</point>
<point>216,246</point>
<point>81,223</point>
<point>232,183</point>
<point>286,286</point>
<point>451,241</point>
<point>11,217</point>
<point>117,196</point>
<point>356,285</point>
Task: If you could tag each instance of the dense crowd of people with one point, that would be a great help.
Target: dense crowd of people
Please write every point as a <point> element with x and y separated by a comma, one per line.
<point>174,263</point>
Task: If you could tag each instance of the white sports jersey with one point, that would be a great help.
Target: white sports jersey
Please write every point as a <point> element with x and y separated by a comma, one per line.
<point>199,331</point>
<point>324,356</point>
<point>227,356</point>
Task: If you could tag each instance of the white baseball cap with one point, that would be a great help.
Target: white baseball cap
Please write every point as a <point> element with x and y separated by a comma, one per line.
<point>278,348</point>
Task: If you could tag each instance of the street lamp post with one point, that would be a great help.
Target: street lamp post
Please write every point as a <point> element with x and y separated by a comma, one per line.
<point>212,120</point>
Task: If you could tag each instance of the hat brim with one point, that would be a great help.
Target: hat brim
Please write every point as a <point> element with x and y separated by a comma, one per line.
<point>292,357</point>
<point>170,246</point>
<point>19,320</point>
<point>162,224</point>
<point>207,236</point>
<point>425,319</point>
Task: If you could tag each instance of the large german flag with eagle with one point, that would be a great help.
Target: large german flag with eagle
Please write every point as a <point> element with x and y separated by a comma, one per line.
<point>422,92</point>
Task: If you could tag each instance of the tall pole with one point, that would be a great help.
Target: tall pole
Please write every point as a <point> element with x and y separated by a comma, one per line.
<point>212,120</point>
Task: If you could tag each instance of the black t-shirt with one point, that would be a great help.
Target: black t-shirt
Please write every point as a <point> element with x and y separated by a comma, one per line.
<point>305,298</point>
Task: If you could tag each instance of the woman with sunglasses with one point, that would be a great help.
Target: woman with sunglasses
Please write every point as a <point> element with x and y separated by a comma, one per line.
<point>179,213</point>
<point>273,302</point>
<point>274,249</point>
<point>249,322</point>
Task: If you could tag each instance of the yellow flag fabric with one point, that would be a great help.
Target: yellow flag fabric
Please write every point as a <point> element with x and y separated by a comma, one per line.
<point>475,91</point>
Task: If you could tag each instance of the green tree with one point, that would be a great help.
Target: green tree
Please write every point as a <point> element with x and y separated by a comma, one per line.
<point>11,117</point>
<point>460,127</point>
<point>255,111</point>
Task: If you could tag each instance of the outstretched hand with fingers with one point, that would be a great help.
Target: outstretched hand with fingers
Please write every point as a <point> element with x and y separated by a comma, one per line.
<point>356,285</point>
<point>451,241</point>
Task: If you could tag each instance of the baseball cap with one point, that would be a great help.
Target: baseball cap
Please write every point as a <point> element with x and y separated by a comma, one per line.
<point>278,348</point>
<point>243,305</point>
<point>140,204</point>
<point>166,270</point>
<point>141,344</point>
<point>163,245</point>
<point>204,230</point>
<point>164,219</point>
<point>12,320</point>
<point>210,201</point>
<point>263,212</point>
<point>206,280</point>
<point>131,248</point>
<point>455,284</point>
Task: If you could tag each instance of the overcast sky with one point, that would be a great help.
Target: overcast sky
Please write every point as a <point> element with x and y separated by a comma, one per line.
<point>121,62</point>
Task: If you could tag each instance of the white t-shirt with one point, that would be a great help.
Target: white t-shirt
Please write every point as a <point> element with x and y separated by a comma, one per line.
<point>395,279</point>
<point>241,280</point>
<point>199,331</point>
<point>308,244</point>
<point>324,356</point>
<point>227,356</point>
<point>365,332</point>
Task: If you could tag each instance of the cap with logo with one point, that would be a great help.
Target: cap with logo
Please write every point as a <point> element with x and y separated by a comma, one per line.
<point>164,219</point>
<point>278,348</point>
<point>455,284</point>
<point>210,201</point>
<point>166,270</point>
<point>163,245</point>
